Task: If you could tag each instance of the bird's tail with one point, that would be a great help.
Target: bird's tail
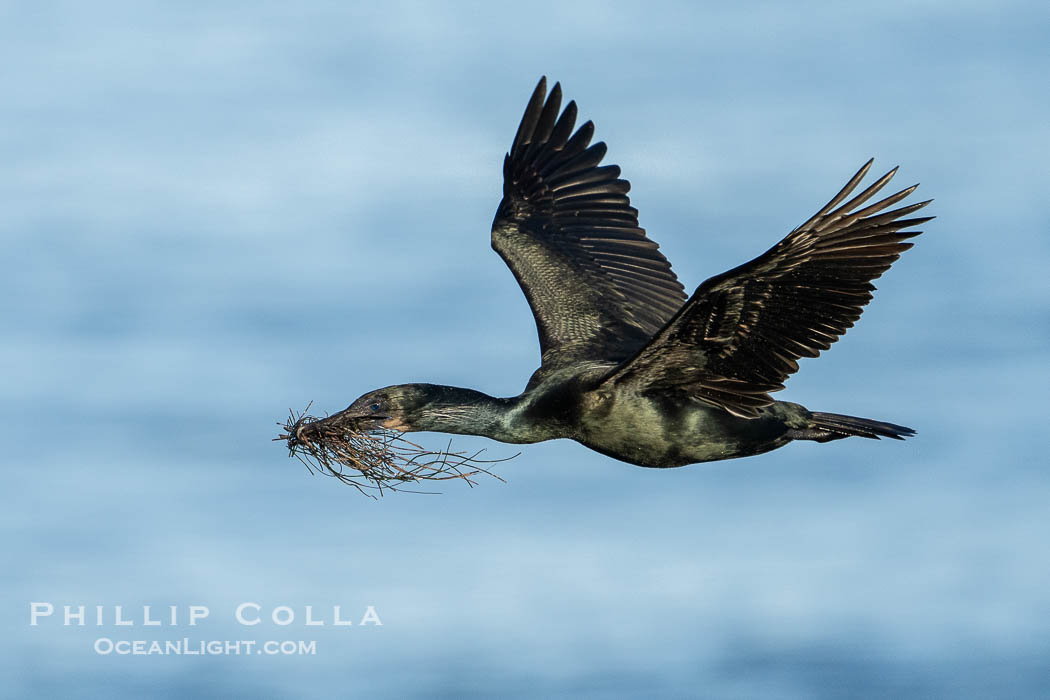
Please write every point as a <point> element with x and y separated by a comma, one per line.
<point>824,427</point>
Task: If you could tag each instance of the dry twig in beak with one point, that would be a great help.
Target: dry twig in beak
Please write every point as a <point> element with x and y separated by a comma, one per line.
<point>374,460</point>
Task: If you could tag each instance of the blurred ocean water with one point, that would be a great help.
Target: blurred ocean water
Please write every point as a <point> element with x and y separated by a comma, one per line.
<point>212,215</point>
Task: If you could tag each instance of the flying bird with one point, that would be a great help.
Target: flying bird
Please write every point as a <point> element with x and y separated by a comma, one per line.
<point>631,367</point>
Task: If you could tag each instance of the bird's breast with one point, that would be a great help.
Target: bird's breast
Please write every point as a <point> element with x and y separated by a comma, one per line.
<point>669,430</point>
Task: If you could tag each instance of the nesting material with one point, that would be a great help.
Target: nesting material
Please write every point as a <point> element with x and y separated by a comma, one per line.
<point>375,460</point>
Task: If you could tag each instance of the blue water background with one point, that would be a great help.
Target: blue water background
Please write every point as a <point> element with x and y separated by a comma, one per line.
<point>212,213</point>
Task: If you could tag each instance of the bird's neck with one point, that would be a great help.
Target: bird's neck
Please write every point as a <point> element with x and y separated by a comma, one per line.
<point>468,412</point>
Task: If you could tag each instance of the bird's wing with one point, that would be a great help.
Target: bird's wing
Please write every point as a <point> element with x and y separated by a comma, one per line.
<point>742,332</point>
<point>597,286</point>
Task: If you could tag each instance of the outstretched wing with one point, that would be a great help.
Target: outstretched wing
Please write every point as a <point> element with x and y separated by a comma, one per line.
<point>597,286</point>
<point>742,332</point>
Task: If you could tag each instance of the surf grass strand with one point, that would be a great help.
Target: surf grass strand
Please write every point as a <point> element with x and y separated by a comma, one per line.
<point>374,460</point>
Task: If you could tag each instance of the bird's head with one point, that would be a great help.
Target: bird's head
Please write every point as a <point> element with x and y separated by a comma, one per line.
<point>399,407</point>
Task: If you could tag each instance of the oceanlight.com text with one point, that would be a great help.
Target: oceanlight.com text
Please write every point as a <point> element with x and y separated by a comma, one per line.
<point>214,647</point>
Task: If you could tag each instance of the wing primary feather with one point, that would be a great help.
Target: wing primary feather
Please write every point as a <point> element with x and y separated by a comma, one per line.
<point>864,196</point>
<point>610,187</point>
<point>843,193</point>
<point>528,120</point>
<point>576,161</point>
<point>597,174</point>
<point>548,116</point>
<point>884,203</point>
<point>563,128</point>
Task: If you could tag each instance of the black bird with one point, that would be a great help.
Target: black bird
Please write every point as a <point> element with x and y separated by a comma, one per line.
<point>629,366</point>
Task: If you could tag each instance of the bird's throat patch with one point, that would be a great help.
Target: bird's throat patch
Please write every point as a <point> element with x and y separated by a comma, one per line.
<point>396,424</point>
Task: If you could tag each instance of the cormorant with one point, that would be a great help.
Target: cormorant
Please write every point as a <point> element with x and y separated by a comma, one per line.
<point>629,366</point>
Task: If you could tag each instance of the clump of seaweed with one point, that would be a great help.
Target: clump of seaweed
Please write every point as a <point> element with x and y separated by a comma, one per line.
<point>374,459</point>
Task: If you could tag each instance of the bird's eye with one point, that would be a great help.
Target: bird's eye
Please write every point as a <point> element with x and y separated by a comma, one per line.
<point>374,407</point>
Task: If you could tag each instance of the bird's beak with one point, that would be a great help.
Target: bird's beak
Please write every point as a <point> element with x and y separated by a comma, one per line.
<point>359,417</point>
<point>370,420</point>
